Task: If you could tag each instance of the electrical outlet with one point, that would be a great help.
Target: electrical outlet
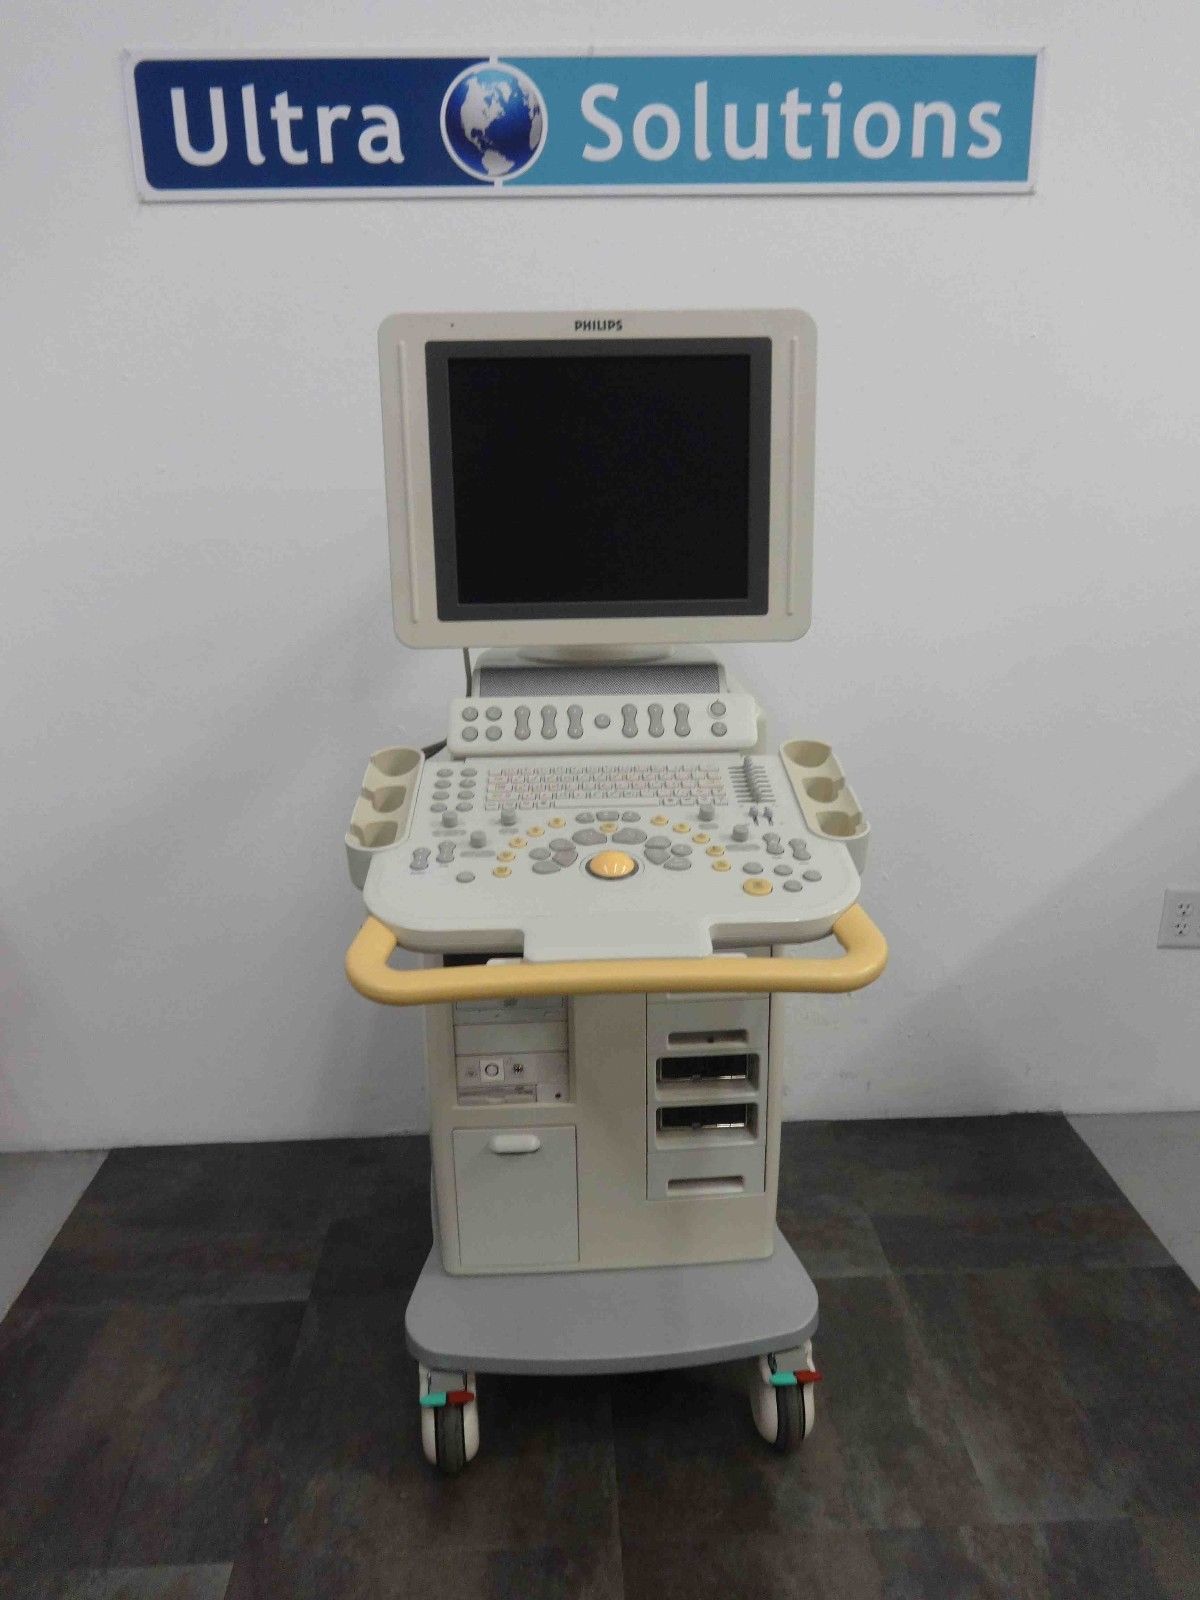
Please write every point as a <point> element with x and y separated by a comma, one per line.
<point>1180,925</point>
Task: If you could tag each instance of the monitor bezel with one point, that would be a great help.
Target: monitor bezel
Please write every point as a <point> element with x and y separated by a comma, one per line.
<point>414,432</point>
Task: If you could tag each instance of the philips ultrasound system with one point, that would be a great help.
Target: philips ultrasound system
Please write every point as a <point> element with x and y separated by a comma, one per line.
<point>605,866</point>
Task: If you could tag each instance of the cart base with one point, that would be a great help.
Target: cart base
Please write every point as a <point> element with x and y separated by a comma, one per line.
<point>641,1319</point>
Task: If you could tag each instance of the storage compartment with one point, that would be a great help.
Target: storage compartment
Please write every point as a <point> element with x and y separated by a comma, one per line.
<point>723,1067</point>
<point>518,1197</point>
<point>724,1119</point>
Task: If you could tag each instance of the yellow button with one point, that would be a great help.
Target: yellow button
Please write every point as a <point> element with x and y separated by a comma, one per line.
<point>558,822</point>
<point>715,850</point>
<point>701,838</point>
<point>536,833</point>
<point>518,843</point>
<point>757,886</point>
<point>507,855</point>
<point>604,827</point>
<point>659,822</point>
<point>720,866</point>
<point>683,827</point>
<point>611,864</point>
<point>501,872</point>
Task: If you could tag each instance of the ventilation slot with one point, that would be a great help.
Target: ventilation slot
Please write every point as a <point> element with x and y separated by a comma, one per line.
<point>732,1185</point>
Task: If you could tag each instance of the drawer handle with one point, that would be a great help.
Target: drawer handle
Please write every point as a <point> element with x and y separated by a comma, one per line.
<point>514,1144</point>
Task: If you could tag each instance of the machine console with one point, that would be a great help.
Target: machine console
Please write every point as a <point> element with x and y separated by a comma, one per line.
<point>581,857</point>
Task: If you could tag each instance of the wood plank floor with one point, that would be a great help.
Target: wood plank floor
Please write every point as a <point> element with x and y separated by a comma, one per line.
<point>204,1393</point>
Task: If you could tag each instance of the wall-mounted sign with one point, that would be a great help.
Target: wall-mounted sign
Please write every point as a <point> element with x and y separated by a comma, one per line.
<point>248,127</point>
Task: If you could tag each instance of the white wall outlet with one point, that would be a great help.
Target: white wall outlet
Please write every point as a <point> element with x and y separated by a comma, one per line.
<point>1180,925</point>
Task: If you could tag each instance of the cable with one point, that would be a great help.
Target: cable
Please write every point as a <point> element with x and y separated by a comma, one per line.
<point>432,749</point>
<point>467,665</point>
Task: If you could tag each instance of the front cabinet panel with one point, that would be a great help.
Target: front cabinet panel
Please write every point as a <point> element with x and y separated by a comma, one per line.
<point>516,1209</point>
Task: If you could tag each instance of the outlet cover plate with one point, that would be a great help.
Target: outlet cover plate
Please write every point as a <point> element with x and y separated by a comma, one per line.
<point>1180,925</point>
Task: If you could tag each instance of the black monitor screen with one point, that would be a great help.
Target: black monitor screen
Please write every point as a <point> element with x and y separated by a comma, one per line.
<point>593,479</point>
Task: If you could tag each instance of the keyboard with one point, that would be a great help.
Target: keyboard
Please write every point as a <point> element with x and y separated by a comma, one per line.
<point>542,784</point>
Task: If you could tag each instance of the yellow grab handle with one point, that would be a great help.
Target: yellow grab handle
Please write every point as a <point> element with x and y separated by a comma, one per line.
<point>864,959</point>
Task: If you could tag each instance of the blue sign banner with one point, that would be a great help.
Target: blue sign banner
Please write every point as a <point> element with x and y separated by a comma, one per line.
<point>309,126</point>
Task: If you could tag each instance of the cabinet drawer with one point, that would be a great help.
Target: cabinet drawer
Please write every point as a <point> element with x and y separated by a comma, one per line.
<point>518,1197</point>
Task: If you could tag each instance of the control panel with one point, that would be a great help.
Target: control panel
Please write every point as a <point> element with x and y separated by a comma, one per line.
<point>581,858</point>
<point>511,1052</point>
<point>597,724</point>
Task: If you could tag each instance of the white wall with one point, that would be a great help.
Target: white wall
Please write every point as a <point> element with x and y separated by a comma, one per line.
<point>194,600</point>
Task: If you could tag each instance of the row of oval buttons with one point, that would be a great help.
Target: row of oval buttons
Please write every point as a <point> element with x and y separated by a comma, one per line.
<point>549,716</point>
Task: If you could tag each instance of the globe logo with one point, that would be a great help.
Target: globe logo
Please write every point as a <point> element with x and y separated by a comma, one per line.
<point>493,121</point>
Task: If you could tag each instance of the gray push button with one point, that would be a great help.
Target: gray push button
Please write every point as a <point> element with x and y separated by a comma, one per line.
<point>464,805</point>
<point>493,713</point>
<point>741,832</point>
<point>708,812</point>
<point>631,816</point>
<point>465,877</point>
<point>521,715</point>
<point>682,726</point>
<point>677,863</point>
<point>470,733</point>
<point>793,885</point>
<point>478,839</point>
<point>751,866</point>
<point>812,876</point>
<point>607,816</point>
<point>681,849</point>
<point>585,816</point>
<point>774,849</point>
<point>655,713</point>
<point>602,719</point>
<point>549,721</point>
<point>574,722</point>
<point>659,842</point>
<point>420,858</point>
<point>539,853</point>
<point>718,730</point>
<point>629,721</point>
<point>546,866</point>
<point>508,817</point>
<point>470,713</point>
<point>438,805</point>
<point>449,820</point>
<point>589,836</point>
<point>494,733</point>
<point>717,709</point>
<point>783,870</point>
<point>629,836</point>
<point>446,850</point>
<point>565,855</point>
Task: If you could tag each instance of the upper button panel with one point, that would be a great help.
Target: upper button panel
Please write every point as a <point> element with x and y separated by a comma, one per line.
<point>596,724</point>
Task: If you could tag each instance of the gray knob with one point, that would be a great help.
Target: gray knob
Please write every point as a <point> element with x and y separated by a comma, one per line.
<point>655,712</point>
<point>522,719</point>
<point>682,725</point>
<point>629,720</point>
<point>741,831</point>
<point>449,820</point>
<point>446,850</point>
<point>478,839</point>
<point>574,722</point>
<point>549,717</point>
<point>508,817</point>
<point>707,812</point>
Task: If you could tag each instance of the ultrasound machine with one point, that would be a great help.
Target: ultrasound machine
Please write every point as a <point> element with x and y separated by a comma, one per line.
<point>605,865</point>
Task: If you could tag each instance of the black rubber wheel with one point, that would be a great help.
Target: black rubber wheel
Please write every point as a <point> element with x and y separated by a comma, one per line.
<point>449,1440</point>
<point>790,1434</point>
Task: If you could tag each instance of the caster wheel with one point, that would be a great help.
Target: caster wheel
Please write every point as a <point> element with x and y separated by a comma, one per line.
<point>449,1433</point>
<point>784,1414</point>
